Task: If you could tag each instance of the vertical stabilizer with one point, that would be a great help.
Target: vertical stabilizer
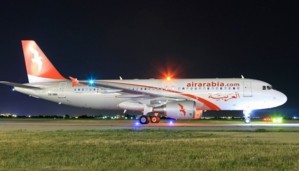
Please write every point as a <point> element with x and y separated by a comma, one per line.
<point>38,66</point>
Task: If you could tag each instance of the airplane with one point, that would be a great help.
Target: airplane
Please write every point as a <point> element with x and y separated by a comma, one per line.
<point>154,98</point>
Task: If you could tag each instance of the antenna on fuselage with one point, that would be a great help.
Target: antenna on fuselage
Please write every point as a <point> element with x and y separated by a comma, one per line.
<point>120,78</point>
<point>242,76</point>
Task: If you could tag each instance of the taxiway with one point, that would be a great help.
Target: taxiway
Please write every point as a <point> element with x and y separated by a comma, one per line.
<point>201,125</point>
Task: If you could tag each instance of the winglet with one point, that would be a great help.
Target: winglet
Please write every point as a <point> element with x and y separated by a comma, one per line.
<point>75,81</point>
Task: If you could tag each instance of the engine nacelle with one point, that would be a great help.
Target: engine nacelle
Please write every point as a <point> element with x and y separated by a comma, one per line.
<point>179,110</point>
<point>127,105</point>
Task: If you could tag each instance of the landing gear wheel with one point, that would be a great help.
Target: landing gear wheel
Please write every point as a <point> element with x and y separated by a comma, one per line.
<point>155,119</point>
<point>144,119</point>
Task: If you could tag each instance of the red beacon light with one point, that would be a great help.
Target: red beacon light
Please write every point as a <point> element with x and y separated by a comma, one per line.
<point>168,78</point>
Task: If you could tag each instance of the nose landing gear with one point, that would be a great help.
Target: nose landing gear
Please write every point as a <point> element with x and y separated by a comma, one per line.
<point>247,116</point>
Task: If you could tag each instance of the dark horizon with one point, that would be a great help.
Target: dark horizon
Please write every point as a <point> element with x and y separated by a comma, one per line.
<point>141,39</point>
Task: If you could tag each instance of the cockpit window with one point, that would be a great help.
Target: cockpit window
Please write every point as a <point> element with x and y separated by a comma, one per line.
<point>267,87</point>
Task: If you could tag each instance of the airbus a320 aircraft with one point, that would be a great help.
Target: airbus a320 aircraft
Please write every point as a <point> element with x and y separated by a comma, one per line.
<point>173,98</point>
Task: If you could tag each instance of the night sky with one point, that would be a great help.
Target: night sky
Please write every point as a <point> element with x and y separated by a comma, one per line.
<point>141,39</point>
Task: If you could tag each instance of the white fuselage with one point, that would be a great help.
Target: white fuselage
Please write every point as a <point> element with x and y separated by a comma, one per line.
<point>209,94</point>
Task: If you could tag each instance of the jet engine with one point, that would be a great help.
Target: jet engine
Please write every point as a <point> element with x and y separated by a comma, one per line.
<point>179,110</point>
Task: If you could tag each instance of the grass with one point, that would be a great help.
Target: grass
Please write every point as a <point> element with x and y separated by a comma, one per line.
<point>148,150</point>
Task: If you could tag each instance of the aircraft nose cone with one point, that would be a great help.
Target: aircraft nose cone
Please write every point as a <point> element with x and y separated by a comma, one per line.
<point>280,98</point>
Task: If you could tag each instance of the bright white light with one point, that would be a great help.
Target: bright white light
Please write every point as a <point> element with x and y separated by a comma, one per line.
<point>137,123</point>
<point>171,122</point>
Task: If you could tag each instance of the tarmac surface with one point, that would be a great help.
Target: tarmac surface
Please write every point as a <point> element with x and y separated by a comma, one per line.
<point>201,125</point>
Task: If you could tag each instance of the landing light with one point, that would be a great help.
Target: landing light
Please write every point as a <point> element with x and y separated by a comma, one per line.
<point>171,122</point>
<point>168,78</point>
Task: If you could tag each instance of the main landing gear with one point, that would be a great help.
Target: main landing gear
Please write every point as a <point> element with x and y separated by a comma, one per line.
<point>146,119</point>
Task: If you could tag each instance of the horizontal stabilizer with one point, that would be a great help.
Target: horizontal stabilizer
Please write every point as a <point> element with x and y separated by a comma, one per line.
<point>19,85</point>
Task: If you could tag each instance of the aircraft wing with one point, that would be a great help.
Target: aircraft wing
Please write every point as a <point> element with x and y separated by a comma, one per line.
<point>126,91</point>
<point>19,85</point>
<point>108,88</point>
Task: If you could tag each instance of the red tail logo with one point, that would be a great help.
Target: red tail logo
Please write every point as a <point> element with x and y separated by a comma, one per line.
<point>37,60</point>
<point>38,65</point>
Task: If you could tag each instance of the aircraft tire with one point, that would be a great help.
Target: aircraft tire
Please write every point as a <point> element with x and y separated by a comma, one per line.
<point>158,119</point>
<point>155,119</point>
<point>144,120</point>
